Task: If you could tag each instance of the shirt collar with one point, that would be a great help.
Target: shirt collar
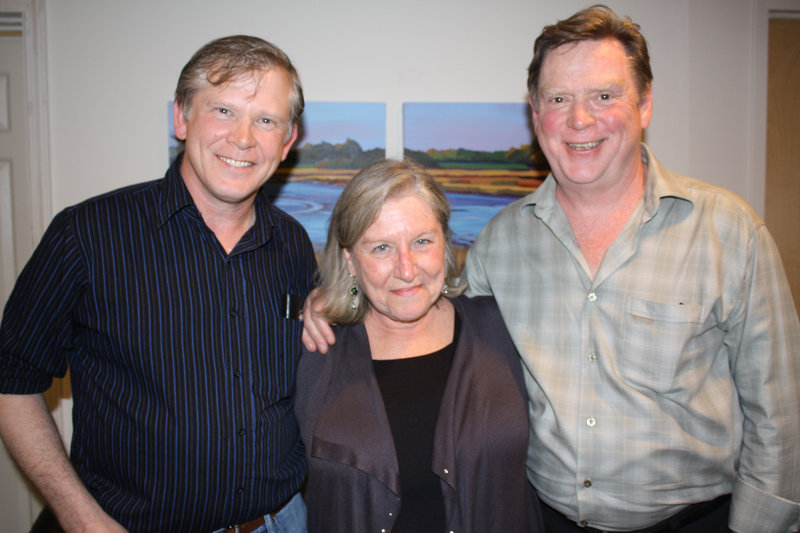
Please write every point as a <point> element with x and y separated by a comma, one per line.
<point>660,183</point>
<point>266,224</point>
<point>175,197</point>
<point>174,194</point>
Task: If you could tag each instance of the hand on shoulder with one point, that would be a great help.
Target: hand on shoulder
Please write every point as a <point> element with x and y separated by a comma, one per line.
<point>317,332</point>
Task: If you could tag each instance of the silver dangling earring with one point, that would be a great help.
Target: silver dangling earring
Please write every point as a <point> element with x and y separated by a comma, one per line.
<point>444,287</point>
<point>354,293</point>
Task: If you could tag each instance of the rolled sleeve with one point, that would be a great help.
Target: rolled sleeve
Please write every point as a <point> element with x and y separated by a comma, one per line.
<point>35,334</point>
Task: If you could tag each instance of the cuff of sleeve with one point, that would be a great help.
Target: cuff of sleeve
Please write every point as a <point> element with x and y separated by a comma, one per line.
<point>755,511</point>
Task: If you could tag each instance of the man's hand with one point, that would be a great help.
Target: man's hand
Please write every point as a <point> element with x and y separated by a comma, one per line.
<point>317,333</point>
<point>99,522</point>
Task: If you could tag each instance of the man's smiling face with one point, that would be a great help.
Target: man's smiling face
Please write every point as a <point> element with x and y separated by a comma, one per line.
<point>236,136</point>
<point>589,115</point>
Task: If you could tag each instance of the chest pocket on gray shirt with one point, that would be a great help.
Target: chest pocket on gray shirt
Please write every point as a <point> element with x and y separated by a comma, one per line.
<point>664,343</point>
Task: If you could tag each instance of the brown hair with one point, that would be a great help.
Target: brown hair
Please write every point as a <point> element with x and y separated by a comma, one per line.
<point>594,23</point>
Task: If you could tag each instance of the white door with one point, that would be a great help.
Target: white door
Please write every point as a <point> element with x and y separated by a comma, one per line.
<point>17,505</point>
<point>24,201</point>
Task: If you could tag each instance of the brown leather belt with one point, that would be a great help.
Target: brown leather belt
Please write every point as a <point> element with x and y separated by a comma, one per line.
<point>255,523</point>
<point>246,527</point>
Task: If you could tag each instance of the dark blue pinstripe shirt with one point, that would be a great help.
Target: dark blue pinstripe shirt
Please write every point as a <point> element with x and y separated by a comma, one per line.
<point>182,365</point>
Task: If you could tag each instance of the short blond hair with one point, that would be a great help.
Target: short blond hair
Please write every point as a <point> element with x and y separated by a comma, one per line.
<point>230,58</point>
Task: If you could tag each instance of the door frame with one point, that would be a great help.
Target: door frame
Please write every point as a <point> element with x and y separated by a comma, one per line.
<point>24,501</point>
<point>762,12</point>
<point>35,45</point>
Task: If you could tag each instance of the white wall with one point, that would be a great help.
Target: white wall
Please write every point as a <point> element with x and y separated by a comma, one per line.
<point>113,66</point>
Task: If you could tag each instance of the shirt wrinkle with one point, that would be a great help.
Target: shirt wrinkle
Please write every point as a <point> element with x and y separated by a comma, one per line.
<point>174,196</point>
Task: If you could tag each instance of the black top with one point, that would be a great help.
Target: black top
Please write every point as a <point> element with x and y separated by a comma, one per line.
<point>182,365</point>
<point>412,390</point>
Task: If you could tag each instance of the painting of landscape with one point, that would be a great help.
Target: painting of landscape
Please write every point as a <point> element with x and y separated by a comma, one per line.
<point>483,155</point>
<point>336,140</point>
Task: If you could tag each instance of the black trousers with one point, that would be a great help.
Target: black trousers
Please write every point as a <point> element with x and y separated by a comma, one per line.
<point>46,522</point>
<point>705,517</point>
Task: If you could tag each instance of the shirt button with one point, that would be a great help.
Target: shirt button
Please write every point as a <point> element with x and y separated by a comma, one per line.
<point>242,432</point>
<point>446,471</point>
<point>234,313</point>
<point>237,374</point>
<point>591,422</point>
<point>584,523</point>
<point>591,357</point>
<point>592,297</point>
<point>239,491</point>
<point>587,483</point>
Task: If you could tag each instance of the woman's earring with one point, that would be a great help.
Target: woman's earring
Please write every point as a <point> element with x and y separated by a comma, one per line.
<point>354,293</point>
<point>444,287</point>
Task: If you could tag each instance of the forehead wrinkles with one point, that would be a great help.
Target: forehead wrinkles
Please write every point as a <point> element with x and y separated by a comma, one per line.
<point>613,84</point>
<point>251,79</point>
<point>397,217</point>
<point>586,73</point>
<point>254,89</point>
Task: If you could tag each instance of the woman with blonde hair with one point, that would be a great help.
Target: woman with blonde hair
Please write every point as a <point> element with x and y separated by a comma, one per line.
<point>416,419</point>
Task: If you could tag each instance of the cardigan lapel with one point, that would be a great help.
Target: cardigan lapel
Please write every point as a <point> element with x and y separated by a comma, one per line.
<point>452,409</point>
<point>353,395</point>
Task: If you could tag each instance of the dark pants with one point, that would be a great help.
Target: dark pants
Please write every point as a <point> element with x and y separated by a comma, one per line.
<point>706,517</point>
<point>46,522</point>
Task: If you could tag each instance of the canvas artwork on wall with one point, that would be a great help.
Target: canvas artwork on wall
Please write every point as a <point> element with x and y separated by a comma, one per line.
<point>337,139</point>
<point>482,154</point>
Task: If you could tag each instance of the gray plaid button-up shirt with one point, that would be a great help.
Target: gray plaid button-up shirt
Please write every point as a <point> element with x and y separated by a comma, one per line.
<point>672,376</point>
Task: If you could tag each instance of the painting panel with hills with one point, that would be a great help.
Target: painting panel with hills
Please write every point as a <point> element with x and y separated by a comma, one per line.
<point>336,140</point>
<point>483,155</point>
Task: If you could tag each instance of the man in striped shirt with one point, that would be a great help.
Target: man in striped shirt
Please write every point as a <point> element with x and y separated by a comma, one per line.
<point>167,301</point>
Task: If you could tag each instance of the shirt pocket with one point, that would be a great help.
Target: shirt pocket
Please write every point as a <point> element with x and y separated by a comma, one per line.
<point>661,345</point>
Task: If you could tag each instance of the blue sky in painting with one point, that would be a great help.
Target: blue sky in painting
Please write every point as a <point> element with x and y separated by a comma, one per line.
<point>335,122</point>
<point>474,126</point>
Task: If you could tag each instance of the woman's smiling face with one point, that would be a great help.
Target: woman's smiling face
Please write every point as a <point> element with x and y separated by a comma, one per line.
<point>400,260</point>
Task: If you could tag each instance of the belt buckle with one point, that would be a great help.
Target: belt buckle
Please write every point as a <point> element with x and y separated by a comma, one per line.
<point>246,526</point>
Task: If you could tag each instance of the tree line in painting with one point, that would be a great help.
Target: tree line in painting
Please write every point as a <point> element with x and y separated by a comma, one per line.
<point>325,155</point>
<point>350,155</point>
